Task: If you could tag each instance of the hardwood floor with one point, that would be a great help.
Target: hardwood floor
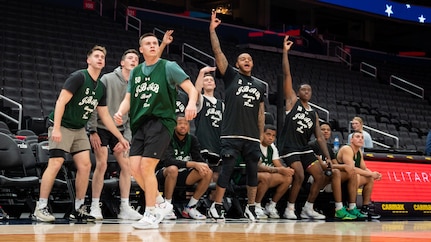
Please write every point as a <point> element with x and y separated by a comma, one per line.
<point>232,230</point>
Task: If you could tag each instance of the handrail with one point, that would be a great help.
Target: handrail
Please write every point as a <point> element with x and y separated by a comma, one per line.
<point>344,56</point>
<point>138,28</point>
<point>381,144</point>
<point>322,109</point>
<point>422,95</point>
<point>183,53</point>
<point>361,69</point>
<point>397,140</point>
<point>336,44</point>
<point>19,121</point>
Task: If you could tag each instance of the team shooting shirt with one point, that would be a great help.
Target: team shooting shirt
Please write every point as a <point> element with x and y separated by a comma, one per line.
<point>243,96</point>
<point>208,126</point>
<point>153,93</point>
<point>299,125</point>
<point>87,93</point>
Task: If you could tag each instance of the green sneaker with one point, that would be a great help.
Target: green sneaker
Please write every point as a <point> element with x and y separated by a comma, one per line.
<point>344,215</point>
<point>356,212</point>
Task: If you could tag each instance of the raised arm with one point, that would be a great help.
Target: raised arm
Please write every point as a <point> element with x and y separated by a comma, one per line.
<point>200,79</point>
<point>289,93</point>
<point>221,60</point>
<point>167,39</point>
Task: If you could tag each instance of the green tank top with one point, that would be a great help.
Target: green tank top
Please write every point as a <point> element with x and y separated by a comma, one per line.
<point>357,158</point>
<point>267,160</point>
<point>80,107</point>
<point>182,153</point>
<point>152,97</point>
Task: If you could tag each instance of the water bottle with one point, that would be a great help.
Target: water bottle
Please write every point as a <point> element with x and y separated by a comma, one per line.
<point>336,144</point>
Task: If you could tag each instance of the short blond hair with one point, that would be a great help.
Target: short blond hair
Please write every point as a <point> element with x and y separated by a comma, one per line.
<point>95,48</point>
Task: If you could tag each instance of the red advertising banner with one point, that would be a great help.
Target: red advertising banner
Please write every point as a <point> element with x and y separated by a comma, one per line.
<point>405,188</point>
<point>88,5</point>
<point>401,182</point>
<point>131,12</point>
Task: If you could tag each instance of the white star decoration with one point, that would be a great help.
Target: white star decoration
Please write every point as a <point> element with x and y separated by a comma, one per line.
<point>408,6</point>
<point>389,10</point>
<point>421,19</point>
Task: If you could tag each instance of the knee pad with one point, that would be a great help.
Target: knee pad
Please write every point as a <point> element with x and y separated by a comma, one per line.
<point>227,167</point>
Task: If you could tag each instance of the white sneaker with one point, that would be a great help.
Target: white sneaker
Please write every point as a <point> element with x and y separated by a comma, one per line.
<point>271,210</point>
<point>96,212</point>
<point>259,213</point>
<point>42,214</point>
<point>290,214</point>
<point>170,216</point>
<point>128,213</point>
<point>163,209</point>
<point>192,212</point>
<point>216,212</point>
<point>148,221</point>
<point>250,212</point>
<point>308,213</point>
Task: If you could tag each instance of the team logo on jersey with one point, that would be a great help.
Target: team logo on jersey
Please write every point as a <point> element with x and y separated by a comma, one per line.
<point>137,79</point>
<point>302,120</point>
<point>89,103</point>
<point>249,94</point>
<point>146,90</point>
<point>180,155</point>
<point>180,107</point>
<point>215,115</point>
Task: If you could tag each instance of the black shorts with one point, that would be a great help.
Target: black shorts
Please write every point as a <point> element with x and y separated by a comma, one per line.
<point>107,138</point>
<point>249,150</point>
<point>150,140</point>
<point>183,173</point>
<point>211,159</point>
<point>305,157</point>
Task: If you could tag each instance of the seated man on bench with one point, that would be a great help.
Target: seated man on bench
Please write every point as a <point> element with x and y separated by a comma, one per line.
<point>271,174</point>
<point>351,155</point>
<point>183,165</point>
<point>340,173</point>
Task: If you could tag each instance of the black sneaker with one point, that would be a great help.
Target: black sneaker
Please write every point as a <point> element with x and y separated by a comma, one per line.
<point>216,212</point>
<point>81,214</point>
<point>366,210</point>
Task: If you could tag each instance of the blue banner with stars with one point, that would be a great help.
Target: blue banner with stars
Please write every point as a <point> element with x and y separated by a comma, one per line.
<point>389,9</point>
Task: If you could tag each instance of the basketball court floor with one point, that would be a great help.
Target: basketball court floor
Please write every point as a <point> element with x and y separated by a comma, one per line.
<point>184,230</point>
